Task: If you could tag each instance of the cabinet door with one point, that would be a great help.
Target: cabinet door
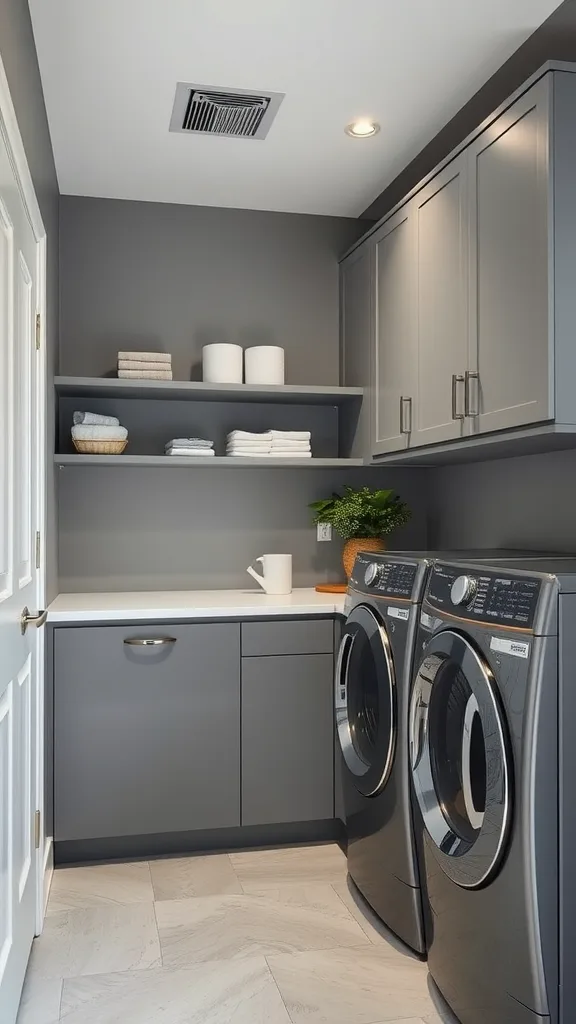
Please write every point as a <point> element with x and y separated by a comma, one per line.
<point>356,337</point>
<point>395,331</point>
<point>287,739</point>
<point>442,307</point>
<point>147,739</point>
<point>510,268</point>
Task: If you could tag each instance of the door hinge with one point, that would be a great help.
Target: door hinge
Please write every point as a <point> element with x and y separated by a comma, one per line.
<point>37,832</point>
<point>37,549</point>
<point>38,329</point>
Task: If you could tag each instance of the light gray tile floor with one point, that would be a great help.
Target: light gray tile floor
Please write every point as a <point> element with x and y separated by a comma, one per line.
<point>257,937</point>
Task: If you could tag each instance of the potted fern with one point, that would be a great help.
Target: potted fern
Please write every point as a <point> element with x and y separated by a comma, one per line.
<point>363,517</point>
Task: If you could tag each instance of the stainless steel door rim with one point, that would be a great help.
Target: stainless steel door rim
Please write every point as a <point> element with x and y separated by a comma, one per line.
<point>367,733</point>
<point>460,759</point>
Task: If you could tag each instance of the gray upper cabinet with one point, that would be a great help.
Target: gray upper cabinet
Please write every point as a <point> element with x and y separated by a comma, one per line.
<point>442,307</point>
<point>510,270</point>
<point>146,739</point>
<point>394,314</point>
<point>473,297</point>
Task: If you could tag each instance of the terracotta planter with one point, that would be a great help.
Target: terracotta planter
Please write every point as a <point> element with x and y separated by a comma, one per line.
<point>356,544</point>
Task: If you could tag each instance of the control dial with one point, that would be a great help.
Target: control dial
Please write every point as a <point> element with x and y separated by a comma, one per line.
<point>463,589</point>
<point>374,572</point>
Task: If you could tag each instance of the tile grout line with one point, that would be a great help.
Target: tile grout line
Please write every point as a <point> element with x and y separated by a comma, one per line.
<point>272,975</point>
<point>158,933</point>
<point>369,937</point>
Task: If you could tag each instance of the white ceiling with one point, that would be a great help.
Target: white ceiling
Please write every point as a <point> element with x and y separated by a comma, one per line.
<point>110,67</point>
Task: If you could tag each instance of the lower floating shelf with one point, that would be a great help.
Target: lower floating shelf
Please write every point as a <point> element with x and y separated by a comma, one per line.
<point>231,462</point>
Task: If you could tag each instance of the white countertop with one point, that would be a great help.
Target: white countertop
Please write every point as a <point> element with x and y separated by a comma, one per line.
<point>190,604</point>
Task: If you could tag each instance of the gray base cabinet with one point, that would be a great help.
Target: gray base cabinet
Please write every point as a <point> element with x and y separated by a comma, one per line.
<point>147,739</point>
<point>287,739</point>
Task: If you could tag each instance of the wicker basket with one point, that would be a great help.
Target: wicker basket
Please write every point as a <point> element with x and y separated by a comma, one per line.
<point>99,447</point>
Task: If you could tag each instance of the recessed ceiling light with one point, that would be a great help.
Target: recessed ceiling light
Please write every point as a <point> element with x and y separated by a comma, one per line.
<point>362,129</point>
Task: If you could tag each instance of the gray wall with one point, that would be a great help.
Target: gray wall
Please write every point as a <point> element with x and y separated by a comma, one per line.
<point>160,529</point>
<point>173,278</point>
<point>526,502</point>
<point>21,66</point>
<point>157,276</point>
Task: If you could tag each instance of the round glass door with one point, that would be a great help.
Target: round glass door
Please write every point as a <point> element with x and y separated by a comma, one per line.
<point>461,764</point>
<point>365,699</point>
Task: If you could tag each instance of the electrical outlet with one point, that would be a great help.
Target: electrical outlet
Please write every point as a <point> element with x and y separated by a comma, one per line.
<point>323,531</point>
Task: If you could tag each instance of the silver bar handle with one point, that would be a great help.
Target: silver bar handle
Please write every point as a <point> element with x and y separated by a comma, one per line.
<point>27,619</point>
<point>157,641</point>
<point>471,407</point>
<point>475,817</point>
<point>405,401</point>
<point>457,378</point>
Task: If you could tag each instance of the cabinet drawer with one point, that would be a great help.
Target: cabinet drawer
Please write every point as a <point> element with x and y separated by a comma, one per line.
<point>303,636</point>
<point>147,739</point>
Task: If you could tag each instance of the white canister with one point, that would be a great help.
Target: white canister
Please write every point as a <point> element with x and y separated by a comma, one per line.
<point>222,364</point>
<point>264,364</point>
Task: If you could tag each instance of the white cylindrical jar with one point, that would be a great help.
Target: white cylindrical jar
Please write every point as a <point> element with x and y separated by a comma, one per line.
<point>222,364</point>
<point>264,364</point>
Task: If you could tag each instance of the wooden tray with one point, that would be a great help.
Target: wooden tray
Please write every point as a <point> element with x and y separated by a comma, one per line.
<point>332,588</point>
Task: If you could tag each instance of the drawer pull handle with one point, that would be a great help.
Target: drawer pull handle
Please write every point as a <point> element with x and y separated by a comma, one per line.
<point>157,641</point>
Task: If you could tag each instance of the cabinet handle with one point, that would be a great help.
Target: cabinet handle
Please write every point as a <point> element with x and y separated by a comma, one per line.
<point>470,406</point>
<point>457,378</point>
<point>157,641</point>
<point>404,401</point>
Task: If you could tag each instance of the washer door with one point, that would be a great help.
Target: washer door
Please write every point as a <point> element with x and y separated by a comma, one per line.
<point>461,762</point>
<point>365,699</point>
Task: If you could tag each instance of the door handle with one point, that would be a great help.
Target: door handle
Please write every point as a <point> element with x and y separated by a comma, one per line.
<point>157,641</point>
<point>457,378</point>
<point>476,817</point>
<point>26,619</point>
<point>471,407</point>
<point>405,401</point>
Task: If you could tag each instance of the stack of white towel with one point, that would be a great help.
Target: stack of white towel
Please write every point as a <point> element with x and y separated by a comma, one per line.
<point>191,446</point>
<point>288,444</point>
<point>91,426</point>
<point>145,365</point>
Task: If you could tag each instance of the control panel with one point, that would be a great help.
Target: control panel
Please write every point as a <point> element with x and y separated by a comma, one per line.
<point>484,597</point>
<point>373,574</point>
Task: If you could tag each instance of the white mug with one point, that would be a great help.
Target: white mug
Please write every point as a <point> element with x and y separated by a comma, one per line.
<point>277,573</point>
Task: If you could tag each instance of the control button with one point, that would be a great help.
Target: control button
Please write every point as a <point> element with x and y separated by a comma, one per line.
<point>373,574</point>
<point>463,589</point>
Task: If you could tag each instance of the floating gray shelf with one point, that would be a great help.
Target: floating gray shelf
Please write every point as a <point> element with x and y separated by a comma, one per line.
<point>187,462</point>
<point>292,394</point>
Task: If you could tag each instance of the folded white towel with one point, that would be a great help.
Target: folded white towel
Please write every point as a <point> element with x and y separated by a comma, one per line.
<point>98,432</point>
<point>189,452</point>
<point>149,357</point>
<point>248,444</point>
<point>291,435</point>
<point>247,453</point>
<point>245,435</point>
<point>145,374</point>
<point>189,442</point>
<point>252,449</point>
<point>292,445</point>
<point>142,364</point>
<point>95,417</point>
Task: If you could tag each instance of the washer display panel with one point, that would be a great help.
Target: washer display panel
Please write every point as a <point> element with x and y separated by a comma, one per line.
<point>365,700</point>
<point>461,762</point>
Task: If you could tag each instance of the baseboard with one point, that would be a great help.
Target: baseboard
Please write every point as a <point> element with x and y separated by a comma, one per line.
<point>82,851</point>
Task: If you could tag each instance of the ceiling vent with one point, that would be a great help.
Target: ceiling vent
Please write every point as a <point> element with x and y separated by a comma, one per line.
<point>235,113</point>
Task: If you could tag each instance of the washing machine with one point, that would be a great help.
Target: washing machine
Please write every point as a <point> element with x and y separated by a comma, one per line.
<point>493,764</point>
<point>371,700</point>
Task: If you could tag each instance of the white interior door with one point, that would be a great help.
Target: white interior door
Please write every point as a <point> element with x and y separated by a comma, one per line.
<point>20,666</point>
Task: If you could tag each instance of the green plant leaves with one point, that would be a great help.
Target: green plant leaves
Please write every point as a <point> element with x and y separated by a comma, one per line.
<point>362,512</point>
